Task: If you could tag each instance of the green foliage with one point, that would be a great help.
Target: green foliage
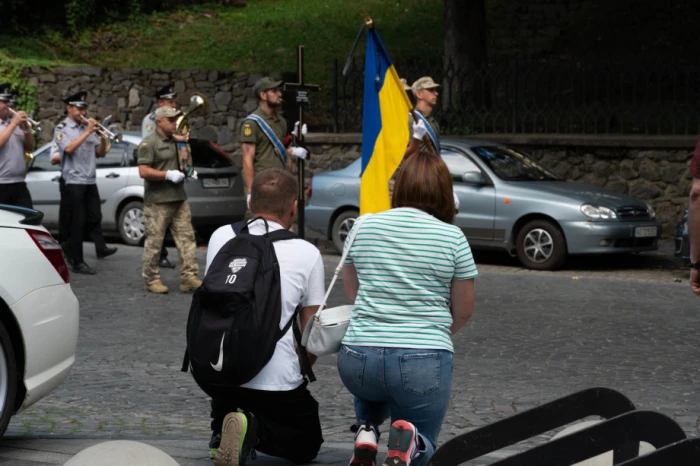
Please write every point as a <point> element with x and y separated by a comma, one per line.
<point>11,71</point>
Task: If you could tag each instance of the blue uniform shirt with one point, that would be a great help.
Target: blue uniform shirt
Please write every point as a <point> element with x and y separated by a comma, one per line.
<point>80,166</point>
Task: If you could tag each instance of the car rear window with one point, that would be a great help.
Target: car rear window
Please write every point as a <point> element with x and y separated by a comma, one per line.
<point>206,154</point>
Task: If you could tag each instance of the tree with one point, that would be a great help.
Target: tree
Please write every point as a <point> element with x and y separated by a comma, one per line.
<point>465,34</point>
<point>465,51</point>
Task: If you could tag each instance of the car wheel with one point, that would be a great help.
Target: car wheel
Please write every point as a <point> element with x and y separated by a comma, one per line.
<point>131,223</point>
<point>341,228</point>
<point>541,245</point>
<point>8,379</point>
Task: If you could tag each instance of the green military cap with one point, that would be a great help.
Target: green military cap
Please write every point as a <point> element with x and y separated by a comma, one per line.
<point>265,84</point>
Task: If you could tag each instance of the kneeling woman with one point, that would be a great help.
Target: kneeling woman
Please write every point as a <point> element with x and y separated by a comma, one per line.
<point>410,274</point>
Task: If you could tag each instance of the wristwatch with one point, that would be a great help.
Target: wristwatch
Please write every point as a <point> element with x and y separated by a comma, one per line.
<point>695,265</point>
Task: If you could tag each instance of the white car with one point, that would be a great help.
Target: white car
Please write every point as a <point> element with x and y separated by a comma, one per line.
<point>38,312</point>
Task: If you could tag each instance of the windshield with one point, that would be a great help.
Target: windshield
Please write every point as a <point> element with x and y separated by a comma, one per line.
<point>510,165</point>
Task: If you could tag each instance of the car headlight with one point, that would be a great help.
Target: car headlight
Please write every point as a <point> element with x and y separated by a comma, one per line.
<point>650,209</point>
<point>598,212</point>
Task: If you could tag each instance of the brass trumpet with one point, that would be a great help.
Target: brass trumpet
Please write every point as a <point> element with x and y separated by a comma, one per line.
<point>33,125</point>
<point>103,131</point>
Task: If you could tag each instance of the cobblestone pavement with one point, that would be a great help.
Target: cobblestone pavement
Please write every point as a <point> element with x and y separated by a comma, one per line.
<point>535,336</point>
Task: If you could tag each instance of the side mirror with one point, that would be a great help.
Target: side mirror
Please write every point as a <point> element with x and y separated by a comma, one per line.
<point>473,178</point>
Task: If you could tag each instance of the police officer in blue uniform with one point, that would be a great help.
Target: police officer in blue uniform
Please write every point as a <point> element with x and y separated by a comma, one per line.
<point>15,139</point>
<point>79,146</point>
<point>165,97</point>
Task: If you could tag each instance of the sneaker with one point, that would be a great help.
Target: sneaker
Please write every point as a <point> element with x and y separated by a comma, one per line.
<point>365,452</point>
<point>403,444</point>
<point>238,438</point>
<point>157,287</point>
<point>214,444</point>
<point>191,284</point>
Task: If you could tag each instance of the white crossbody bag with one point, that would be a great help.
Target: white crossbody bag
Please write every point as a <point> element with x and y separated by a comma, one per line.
<point>327,327</point>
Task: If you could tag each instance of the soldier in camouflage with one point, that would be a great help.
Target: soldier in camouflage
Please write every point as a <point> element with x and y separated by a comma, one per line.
<point>165,97</point>
<point>165,204</point>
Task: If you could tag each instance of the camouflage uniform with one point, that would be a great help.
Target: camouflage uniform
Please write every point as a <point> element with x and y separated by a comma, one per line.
<point>165,206</point>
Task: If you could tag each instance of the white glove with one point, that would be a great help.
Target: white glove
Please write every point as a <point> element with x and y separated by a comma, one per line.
<point>300,153</point>
<point>174,176</point>
<point>192,177</point>
<point>419,129</point>
<point>295,131</point>
<point>456,201</point>
<point>247,201</point>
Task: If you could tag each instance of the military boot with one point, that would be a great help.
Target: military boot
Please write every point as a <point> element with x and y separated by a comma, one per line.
<point>157,287</point>
<point>190,284</point>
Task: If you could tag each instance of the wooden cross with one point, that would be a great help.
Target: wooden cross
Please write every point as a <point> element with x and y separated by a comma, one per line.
<point>302,100</point>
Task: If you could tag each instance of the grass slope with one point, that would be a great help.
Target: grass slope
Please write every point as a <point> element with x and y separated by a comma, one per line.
<point>261,37</point>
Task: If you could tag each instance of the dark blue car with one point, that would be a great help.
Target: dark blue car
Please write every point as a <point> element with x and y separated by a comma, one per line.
<point>681,238</point>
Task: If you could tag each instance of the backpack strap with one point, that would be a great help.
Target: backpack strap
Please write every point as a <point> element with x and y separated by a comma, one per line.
<point>305,361</point>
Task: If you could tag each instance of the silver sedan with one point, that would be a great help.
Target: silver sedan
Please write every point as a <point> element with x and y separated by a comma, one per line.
<point>510,202</point>
<point>216,198</point>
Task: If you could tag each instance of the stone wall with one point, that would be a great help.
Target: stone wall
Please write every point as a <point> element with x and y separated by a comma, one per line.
<point>127,95</point>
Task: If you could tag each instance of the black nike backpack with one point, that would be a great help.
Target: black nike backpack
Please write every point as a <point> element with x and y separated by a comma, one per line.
<point>234,322</point>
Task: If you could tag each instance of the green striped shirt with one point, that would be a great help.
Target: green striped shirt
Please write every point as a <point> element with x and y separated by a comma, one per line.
<point>406,260</point>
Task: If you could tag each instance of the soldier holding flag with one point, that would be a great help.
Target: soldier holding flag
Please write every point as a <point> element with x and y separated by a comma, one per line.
<point>426,92</point>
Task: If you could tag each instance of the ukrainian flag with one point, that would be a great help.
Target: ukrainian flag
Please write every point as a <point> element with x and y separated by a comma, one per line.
<point>384,126</point>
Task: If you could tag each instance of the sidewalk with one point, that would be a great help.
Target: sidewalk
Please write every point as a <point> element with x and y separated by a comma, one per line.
<point>40,451</point>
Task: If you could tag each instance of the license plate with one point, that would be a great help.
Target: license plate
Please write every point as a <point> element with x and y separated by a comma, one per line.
<point>215,183</point>
<point>645,232</point>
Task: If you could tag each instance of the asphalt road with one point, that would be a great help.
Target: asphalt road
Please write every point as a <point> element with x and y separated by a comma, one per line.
<point>534,337</point>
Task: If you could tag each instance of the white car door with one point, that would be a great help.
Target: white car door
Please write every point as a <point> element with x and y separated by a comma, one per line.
<point>42,181</point>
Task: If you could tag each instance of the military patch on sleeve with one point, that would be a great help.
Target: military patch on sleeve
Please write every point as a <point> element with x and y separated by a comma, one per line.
<point>59,137</point>
<point>149,128</point>
<point>247,130</point>
<point>143,144</point>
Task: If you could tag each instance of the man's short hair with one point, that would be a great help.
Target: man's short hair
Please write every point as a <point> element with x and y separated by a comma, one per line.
<point>273,192</point>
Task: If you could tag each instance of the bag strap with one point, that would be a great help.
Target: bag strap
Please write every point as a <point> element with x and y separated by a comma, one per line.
<point>277,235</point>
<point>353,233</point>
<point>305,361</point>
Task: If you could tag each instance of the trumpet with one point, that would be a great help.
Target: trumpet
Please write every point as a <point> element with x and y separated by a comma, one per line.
<point>103,131</point>
<point>34,125</point>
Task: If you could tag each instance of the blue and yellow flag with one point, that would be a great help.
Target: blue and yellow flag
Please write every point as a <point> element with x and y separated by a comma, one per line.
<point>384,126</point>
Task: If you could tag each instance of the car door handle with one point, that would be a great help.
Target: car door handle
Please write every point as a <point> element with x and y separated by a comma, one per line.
<point>55,179</point>
<point>112,175</point>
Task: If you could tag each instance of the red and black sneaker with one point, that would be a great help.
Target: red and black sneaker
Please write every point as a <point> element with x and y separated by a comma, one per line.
<point>365,452</point>
<point>403,444</point>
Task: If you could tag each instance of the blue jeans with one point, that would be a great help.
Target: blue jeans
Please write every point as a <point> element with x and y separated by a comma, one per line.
<point>413,385</point>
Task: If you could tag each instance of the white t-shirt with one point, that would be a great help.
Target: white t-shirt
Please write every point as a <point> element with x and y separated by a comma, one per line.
<point>302,281</point>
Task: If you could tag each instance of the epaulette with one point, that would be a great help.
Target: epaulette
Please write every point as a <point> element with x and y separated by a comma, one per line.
<point>61,125</point>
<point>152,116</point>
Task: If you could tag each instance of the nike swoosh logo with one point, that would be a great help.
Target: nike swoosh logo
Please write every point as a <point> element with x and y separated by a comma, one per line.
<point>220,363</point>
